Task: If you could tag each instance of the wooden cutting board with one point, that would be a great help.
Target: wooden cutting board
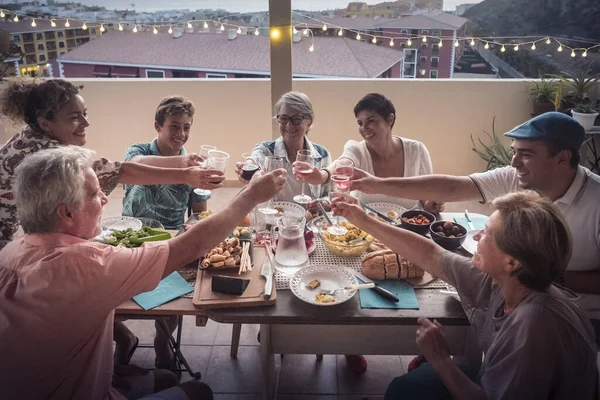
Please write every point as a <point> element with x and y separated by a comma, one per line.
<point>252,296</point>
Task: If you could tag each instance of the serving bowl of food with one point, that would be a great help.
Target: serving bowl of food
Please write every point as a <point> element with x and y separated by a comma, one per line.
<point>353,243</point>
<point>448,234</point>
<point>417,221</point>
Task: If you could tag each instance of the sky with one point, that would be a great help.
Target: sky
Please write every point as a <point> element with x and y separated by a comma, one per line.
<point>237,5</point>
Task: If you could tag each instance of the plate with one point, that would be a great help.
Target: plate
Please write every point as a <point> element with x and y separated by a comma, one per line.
<point>470,245</point>
<point>292,208</point>
<point>332,277</point>
<point>384,208</point>
<point>121,223</point>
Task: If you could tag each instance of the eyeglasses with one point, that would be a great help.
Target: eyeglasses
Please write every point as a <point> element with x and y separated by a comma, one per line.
<point>295,120</point>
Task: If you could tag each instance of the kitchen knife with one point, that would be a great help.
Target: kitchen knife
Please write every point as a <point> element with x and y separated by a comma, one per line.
<point>469,222</point>
<point>267,271</point>
<point>381,291</point>
<point>380,215</point>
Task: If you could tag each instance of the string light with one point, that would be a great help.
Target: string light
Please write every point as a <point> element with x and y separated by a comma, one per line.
<point>33,22</point>
<point>222,27</point>
<point>294,30</point>
<point>392,42</point>
<point>205,25</point>
<point>84,27</point>
<point>67,24</point>
<point>487,45</point>
<point>311,48</point>
<point>374,40</point>
<point>305,32</point>
<point>503,49</point>
<point>560,48</point>
<point>155,31</point>
<point>440,44</point>
<point>516,47</point>
<point>16,18</point>
<point>135,29</point>
<point>256,33</point>
<point>239,30</point>
<point>170,29</point>
<point>456,43</point>
<point>102,28</point>
<point>573,53</point>
<point>275,34</point>
<point>584,54</point>
<point>548,41</point>
<point>472,42</point>
<point>409,42</point>
<point>533,46</point>
<point>120,27</point>
<point>340,32</point>
<point>2,15</point>
<point>52,23</point>
<point>324,27</point>
<point>358,36</point>
<point>424,39</point>
<point>189,25</point>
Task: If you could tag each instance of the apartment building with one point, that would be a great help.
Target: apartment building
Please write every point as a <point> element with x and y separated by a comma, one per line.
<point>390,9</point>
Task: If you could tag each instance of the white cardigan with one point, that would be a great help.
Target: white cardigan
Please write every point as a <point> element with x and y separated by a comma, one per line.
<point>417,161</point>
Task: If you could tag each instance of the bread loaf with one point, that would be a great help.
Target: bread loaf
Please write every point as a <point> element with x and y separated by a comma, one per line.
<point>385,264</point>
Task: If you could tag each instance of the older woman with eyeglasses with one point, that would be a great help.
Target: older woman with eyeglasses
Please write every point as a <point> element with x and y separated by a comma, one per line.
<point>295,115</point>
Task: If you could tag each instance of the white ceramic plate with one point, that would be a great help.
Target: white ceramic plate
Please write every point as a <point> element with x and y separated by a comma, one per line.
<point>291,208</point>
<point>121,223</point>
<point>331,277</point>
<point>384,208</point>
<point>470,245</point>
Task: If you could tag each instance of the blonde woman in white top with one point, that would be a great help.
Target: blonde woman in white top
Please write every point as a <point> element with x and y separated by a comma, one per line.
<point>381,153</point>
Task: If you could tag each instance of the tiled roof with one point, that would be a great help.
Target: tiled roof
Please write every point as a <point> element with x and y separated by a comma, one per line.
<point>42,25</point>
<point>426,20</point>
<point>339,57</point>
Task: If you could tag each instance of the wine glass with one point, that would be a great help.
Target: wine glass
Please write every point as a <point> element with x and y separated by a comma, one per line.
<point>204,149</point>
<point>270,164</point>
<point>307,157</point>
<point>218,160</point>
<point>249,166</point>
<point>342,178</point>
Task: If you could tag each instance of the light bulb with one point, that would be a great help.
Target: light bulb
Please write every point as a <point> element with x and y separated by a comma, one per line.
<point>584,54</point>
<point>189,25</point>
<point>340,32</point>
<point>374,40</point>
<point>487,45</point>
<point>222,27</point>
<point>294,30</point>
<point>358,36</point>
<point>516,47</point>
<point>155,31</point>
<point>16,18</point>
<point>324,27</point>
<point>392,42</point>
<point>548,41</point>
<point>503,49</point>
<point>52,23</point>
<point>2,15</point>
<point>424,39</point>
<point>102,29</point>
<point>572,53</point>
<point>170,29</point>
<point>560,48</point>
<point>472,42</point>
<point>533,46</point>
<point>67,24</point>
<point>120,27</point>
<point>256,33</point>
<point>239,30</point>
<point>84,26</point>
<point>311,48</point>
<point>205,25</point>
<point>440,44</point>
<point>305,32</point>
<point>33,22</point>
<point>409,42</point>
<point>456,44</point>
<point>135,29</point>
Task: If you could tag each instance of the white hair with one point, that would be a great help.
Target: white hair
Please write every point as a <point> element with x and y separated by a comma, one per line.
<point>298,101</point>
<point>46,180</point>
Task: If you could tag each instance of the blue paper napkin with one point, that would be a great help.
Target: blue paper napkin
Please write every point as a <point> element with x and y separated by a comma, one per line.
<point>478,222</point>
<point>404,291</point>
<point>171,287</point>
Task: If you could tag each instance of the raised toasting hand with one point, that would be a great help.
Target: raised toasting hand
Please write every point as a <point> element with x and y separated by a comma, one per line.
<point>199,177</point>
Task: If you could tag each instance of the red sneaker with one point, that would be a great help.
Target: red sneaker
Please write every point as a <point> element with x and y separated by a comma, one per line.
<point>416,362</point>
<point>357,364</point>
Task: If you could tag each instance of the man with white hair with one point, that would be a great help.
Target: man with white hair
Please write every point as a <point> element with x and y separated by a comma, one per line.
<point>58,290</point>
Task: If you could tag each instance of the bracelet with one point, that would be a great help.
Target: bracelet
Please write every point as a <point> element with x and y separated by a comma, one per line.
<point>328,175</point>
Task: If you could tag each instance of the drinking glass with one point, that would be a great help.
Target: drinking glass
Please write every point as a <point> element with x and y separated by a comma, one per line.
<point>307,157</point>
<point>249,166</point>
<point>218,160</point>
<point>204,149</point>
<point>342,179</point>
<point>270,164</point>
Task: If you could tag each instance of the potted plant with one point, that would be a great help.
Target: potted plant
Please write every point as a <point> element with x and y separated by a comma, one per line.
<point>495,154</point>
<point>576,85</point>
<point>543,94</point>
<point>585,114</point>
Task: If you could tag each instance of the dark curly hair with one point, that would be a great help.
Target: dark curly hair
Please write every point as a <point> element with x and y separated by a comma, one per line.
<point>27,100</point>
<point>173,105</point>
<point>378,103</point>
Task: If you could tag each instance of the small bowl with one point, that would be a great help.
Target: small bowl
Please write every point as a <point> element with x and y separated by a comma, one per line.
<point>420,229</point>
<point>151,223</point>
<point>340,248</point>
<point>449,243</point>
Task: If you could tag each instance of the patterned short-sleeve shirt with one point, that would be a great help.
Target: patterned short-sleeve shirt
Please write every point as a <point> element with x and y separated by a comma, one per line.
<point>166,204</point>
<point>13,152</point>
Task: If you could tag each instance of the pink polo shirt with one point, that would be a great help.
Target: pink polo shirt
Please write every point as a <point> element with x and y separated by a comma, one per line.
<point>57,299</point>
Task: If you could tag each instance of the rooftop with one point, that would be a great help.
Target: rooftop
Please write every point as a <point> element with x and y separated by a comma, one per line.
<point>338,57</point>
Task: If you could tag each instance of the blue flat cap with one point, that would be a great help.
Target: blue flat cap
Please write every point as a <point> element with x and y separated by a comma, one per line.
<point>554,127</point>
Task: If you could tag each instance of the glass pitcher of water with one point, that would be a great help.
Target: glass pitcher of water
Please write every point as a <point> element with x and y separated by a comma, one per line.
<point>288,233</point>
